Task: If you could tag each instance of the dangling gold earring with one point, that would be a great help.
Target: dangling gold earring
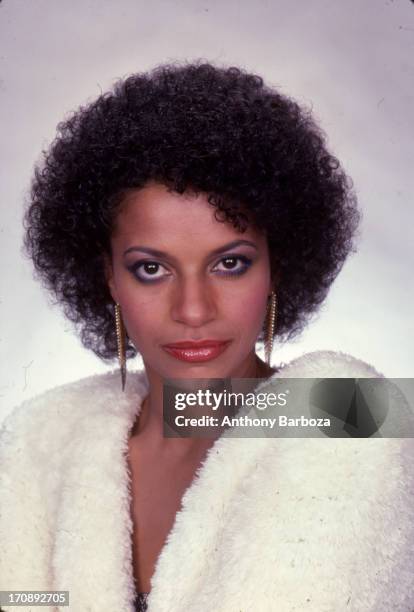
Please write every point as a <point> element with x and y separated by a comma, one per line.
<point>271,326</point>
<point>120,337</point>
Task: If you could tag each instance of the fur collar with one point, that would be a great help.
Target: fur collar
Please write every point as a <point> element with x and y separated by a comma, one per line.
<point>267,524</point>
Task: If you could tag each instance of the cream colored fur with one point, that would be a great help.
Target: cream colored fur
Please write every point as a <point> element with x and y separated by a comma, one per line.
<point>268,524</point>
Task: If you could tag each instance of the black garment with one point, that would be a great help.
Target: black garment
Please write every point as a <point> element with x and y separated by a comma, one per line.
<point>140,602</point>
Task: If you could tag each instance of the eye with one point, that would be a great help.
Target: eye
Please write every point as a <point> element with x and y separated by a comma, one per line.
<point>152,271</point>
<point>147,271</point>
<point>234,265</point>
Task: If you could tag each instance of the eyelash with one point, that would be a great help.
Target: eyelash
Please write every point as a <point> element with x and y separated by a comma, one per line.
<point>246,261</point>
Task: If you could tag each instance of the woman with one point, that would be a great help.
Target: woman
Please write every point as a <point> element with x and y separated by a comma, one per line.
<point>187,215</point>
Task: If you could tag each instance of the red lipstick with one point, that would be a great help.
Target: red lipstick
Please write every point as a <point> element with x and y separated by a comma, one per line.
<point>202,350</point>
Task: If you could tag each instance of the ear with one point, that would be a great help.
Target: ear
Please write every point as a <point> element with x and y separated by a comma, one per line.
<point>109,276</point>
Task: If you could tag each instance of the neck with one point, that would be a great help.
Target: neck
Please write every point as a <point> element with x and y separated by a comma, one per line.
<point>149,427</point>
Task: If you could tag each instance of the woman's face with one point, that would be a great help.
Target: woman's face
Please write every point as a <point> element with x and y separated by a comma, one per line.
<point>181,275</point>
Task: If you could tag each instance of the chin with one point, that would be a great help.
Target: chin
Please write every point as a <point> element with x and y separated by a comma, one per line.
<point>207,369</point>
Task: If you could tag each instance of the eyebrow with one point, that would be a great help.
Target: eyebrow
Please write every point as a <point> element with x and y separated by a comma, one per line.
<point>222,249</point>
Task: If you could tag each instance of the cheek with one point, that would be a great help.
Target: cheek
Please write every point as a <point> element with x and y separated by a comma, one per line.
<point>247,308</point>
<point>251,310</point>
<point>141,316</point>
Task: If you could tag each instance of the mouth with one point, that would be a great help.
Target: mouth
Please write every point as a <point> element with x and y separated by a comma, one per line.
<point>196,352</point>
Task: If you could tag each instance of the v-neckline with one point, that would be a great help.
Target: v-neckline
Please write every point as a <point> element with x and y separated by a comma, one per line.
<point>190,504</point>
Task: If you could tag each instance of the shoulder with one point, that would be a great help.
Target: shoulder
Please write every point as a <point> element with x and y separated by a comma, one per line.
<point>364,404</point>
<point>46,419</point>
<point>329,364</point>
<point>46,445</point>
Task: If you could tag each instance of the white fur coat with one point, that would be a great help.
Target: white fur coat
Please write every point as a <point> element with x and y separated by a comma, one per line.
<point>268,524</point>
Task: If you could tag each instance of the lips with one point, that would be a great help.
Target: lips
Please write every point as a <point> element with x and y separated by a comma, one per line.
<point>196,351</point>
<point>195,343</point>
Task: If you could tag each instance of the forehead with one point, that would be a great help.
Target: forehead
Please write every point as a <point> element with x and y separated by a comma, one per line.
<point>154,214</point>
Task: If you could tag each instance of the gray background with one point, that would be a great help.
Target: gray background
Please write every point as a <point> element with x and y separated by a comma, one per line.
<point>351,61</point>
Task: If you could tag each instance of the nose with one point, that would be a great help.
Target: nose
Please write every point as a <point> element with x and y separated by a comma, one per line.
<point>193,303</point>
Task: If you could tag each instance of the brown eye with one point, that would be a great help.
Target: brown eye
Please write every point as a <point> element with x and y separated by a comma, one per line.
<point>150,268</point>
<point>229,262</point>
<point>147,271</point>
<point>234,265</point>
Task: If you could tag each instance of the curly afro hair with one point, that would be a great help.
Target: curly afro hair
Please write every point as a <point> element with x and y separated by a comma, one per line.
<point>257,154</point>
